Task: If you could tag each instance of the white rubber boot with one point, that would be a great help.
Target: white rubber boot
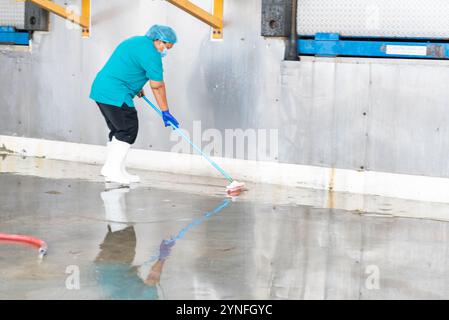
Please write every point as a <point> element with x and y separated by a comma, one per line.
<point>112,169</point>
<point>131,178</point>
<point>115,208</point>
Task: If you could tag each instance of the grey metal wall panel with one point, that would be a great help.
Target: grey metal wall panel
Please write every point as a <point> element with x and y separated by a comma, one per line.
<point>384,18</point>
<point>326,107</point>
<point>12,13</point>
<point>409,119</point>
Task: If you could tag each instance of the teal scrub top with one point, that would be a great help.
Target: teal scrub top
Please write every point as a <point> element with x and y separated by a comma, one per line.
<point>120,282</point>
<point>131,66</point>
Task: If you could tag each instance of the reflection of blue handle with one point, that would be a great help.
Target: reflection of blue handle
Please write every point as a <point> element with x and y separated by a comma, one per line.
<point>196,222</point>
<point>205,156</point>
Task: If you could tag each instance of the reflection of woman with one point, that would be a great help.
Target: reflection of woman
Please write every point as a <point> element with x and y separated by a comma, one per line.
<point>115,272</point>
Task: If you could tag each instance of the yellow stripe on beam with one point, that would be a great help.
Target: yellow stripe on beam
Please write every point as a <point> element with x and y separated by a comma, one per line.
<point>197,12</point>
<point>217,33</point>
<point>85,17</point>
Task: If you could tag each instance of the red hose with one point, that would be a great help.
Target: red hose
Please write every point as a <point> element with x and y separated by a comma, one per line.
<point>26,239</point>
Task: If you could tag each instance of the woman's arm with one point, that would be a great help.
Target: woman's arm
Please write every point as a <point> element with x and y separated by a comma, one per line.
<point>160,94</point>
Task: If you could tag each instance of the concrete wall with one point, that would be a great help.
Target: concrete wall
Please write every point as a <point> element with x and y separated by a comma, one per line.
<point>346,113</point>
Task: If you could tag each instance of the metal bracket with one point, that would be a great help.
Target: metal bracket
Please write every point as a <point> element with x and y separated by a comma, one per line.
<point>214,20</point>
<point>83,20</point>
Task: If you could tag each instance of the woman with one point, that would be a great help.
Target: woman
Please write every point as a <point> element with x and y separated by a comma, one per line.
<point>134,62</point>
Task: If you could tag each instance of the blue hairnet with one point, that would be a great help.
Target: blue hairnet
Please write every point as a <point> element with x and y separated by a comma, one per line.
<point>163,33</point>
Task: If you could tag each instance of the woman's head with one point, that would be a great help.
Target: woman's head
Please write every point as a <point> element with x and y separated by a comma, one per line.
<point>163,37</point>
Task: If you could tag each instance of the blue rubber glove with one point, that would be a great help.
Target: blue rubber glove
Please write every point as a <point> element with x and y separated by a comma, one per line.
<point>165,249</point>
<point>166,116</point>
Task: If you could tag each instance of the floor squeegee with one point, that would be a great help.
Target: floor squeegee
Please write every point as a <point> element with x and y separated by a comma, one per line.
<point>234,186</point>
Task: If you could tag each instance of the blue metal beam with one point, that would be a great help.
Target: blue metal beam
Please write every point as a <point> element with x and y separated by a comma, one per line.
<point>8,35</point>
<point>330,45</point>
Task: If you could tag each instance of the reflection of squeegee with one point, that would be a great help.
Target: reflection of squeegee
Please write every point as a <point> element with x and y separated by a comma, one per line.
<point>26,239</point>
<point>194,223</point>
<point>235,186</point>
<point>197,222</point>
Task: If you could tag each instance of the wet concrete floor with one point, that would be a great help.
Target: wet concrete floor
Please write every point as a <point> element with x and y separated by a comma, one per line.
<point>150,242</point>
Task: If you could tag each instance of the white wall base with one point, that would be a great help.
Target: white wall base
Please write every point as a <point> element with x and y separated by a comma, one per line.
<point>401,186</point>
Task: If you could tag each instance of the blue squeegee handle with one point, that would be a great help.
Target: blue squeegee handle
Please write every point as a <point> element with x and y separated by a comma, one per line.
<point>205,156</point>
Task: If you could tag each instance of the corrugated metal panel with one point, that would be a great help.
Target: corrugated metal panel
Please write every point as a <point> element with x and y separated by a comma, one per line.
<point>12,13</point>
<point>383,18</point>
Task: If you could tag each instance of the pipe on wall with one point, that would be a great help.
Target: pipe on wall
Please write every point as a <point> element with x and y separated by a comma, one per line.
<point>291,50</point>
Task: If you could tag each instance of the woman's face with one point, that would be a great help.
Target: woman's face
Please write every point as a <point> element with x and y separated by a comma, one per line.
<point>161,45</point>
